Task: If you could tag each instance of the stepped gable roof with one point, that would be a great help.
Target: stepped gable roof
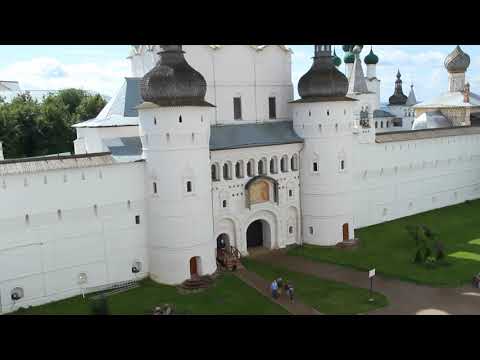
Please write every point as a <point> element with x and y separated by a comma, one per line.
<point>121,110</point>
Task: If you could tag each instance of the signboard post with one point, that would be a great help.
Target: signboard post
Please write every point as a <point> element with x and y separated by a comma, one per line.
<point>371,275</point>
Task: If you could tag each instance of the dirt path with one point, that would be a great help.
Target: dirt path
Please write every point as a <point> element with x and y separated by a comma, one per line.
<point>405,298</point>
<point>263,287</point>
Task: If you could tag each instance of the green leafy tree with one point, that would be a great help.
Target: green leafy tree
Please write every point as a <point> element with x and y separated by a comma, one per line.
<point>31,128</point>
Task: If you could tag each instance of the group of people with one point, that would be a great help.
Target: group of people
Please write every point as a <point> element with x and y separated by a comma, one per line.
<point>277,286</point>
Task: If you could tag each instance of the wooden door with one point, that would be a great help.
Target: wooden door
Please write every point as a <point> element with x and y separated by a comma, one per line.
<point>193,266</point>
<point>345,232</point>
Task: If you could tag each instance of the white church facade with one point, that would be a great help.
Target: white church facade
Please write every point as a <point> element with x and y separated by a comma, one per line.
<point>204,145</point>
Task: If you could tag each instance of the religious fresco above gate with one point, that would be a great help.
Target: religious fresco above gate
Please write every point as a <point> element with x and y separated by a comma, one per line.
<point>259,192</point>
<point>261,189</point>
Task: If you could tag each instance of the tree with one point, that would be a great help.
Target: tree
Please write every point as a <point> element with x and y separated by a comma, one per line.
<point>31,128</point>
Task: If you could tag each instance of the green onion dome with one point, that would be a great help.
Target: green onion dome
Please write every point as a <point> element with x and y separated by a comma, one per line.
<point>349,57</point>
<point>371,58</point>
<point>336,60</point>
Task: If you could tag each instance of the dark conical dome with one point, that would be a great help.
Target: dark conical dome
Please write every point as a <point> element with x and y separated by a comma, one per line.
<point>173,82</point>
<point>457,61</point>
<point>323,79</point>
<point>398,97</point>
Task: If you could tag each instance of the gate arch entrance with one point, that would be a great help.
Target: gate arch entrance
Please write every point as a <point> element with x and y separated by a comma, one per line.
<point>258,234</point>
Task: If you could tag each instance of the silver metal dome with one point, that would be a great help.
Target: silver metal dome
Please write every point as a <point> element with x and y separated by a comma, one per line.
<point>173,82</point>
<point>431,120</point>
<point>457,61</point>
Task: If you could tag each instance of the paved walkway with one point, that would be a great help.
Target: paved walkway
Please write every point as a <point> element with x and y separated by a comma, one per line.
<point>263,287</point>
<point>405,298</point>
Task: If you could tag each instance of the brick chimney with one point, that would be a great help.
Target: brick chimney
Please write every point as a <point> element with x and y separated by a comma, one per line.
<point>466,93</point>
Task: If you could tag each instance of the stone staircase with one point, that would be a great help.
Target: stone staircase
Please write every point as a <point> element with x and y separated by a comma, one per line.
<point>229,259</point>
<point>198,283</point>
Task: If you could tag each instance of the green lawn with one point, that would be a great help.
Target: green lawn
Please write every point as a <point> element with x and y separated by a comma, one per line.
<point>388,247</point>
<point>229,296</point>
<point>328,297</point>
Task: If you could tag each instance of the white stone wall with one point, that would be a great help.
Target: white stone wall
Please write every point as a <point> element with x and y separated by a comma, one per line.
<point>235,71</point>
<point>283,218</point>
<point>58,224</point>
<point>326,195</point>
<point>176,148</point>
<point>399,179</point>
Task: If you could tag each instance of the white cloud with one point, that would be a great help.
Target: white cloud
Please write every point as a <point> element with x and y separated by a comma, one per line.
<point>48,73</point>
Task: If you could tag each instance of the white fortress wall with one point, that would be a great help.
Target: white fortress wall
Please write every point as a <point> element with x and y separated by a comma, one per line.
<point>60,223</point>
<point>398,179</point>
<point>284,218</point>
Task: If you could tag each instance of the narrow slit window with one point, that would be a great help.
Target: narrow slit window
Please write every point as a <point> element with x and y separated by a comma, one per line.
<point>315,166</point>
<point>189,186</point>
<point>224,203</point>
<point>310,230</point>
<point>154,187</point>
<point>272,108</point>
<point>180,120</point>
<point>137,219</point>
<point>237,108</point>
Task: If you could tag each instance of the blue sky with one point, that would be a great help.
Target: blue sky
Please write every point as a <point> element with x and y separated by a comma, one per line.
<point>102,67</point>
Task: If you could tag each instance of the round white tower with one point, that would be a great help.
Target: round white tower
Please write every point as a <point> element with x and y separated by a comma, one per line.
<point>324,117</point>
<point>175,133</point>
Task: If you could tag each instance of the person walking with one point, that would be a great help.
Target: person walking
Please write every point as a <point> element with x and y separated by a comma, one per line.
<point>274,288</point>
<point>280,285</point>
<point>290,292</point>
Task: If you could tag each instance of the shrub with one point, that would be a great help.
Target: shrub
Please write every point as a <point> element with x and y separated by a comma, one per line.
<point>418,257</point>
<point>100,306</point>
<point>430,261</point>
<point>440,251</point>
<point>428,252</point>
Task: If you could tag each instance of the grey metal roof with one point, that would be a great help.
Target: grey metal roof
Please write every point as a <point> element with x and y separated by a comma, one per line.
<point>425,134</point>
<point>252,135</point>
<point>125,149</point>
<point>32,165</point>
<point>451,99</point>
<point>379,113</point>
<point>121,109</point>
<point>431,120</point>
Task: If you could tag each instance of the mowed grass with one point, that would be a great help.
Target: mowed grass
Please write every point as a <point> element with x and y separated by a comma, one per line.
<point>388,247</point>
<point>229,296</point>
<point>328,297</point>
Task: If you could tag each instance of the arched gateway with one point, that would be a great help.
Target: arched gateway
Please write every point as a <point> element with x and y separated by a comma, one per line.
<point>259,234</point>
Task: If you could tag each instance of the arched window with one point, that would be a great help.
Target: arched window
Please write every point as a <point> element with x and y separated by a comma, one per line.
<point>336,127</point>
<point>224,203</point>
<point>251,168</point>
<point>284,163</point>
<point>315,166</point>
<point>154,121</point>
<point>154,187</point>
<point>294,162</point>
<point>227,171</point>
<point>27,219</point>
<point>180,120</point>
<point>262,167</point>
<point>342,165</point>
<point>239,169</point>
<point>274,165</point>
<point>189,186</point>
<point>376,124</point>
<point>59,214</point>
<point>215,172</point>
<point>381,124</point>
<point>320,127</point>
